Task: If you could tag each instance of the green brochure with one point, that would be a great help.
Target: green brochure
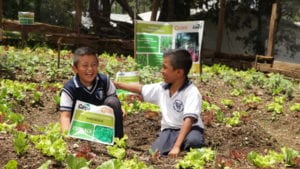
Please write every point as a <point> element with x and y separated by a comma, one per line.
<point>93,123</point>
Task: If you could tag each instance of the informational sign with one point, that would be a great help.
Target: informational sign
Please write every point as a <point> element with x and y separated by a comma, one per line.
<point>93,123</point>
<point>26,18</point>
<point>154,38</point>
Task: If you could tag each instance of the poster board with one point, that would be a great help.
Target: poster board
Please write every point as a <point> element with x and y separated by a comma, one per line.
<point>93,123</point>
<point>154,38</point>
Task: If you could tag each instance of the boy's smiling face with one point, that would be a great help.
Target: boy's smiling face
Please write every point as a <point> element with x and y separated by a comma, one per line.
<point>87,69</point>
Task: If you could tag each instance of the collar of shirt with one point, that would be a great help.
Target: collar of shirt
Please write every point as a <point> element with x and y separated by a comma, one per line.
<point>78,84</point>
<point>186,83</point>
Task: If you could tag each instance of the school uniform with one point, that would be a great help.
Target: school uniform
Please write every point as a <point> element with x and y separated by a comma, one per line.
<point>186,102</point>
<point>102,92</point>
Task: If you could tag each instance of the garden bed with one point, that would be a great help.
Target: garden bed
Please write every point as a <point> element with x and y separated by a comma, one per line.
<point>259,129</point>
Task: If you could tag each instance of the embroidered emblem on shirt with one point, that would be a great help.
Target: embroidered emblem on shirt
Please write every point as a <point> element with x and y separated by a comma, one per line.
<point>100,94</point>
<point>178,105</point>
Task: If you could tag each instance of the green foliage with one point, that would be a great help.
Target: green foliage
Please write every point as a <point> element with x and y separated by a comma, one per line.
<point>118,149</point>
<point>111,64</point>
<point>206,106</point>
<point>11,164</point>
<point>227,102</point>
<point>289,156</point>
<point>235,119</point>
<point>113,163</point>
<point>276,84</point>
<point>276,107</point>
<point>264,161</point>
<point>45,165</point>
<point>51,143</point>
<point>76,163</point>
<point>252,99</point>
<point>4,127</point>
<point>136,106</point>
<point>196,158</point>
<point>20,142</point>
<point>56,98</point>
<point>32,63</point>
<point>149,74</point>
<point>133,163</point>
<point>251,78</point>
<point>237,92</point>
<point>295,107</point>
<point>286,156</point>
<point>219,114</point>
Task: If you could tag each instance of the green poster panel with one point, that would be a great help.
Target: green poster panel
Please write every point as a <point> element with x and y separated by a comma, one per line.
<point>150,59</point>
<point>165,43</point>
<point>155,60</point>
<point>104,134</point>
<point>147,43</point>
<point>82,130</point>
<point>154,28</point>
<point>142,59</point>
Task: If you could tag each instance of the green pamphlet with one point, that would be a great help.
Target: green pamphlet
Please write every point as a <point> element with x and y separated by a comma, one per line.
<point>93,123</point>
<point>127,77</point>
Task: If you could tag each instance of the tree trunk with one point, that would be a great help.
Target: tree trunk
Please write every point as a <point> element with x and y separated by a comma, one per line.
<point>221,20</point>
<point>263,15</point>
<point>155,6</point>
<point>101,23</point>
<point>100,16</point>
<point>174,10</point>
<point>106,8</point>
<point>126,7</point>
<point>78,8</point>
<point>1,23</point>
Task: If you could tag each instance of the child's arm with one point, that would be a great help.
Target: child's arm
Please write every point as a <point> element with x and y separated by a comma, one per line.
<point>185,129</point>
<point>132,87</point>
<point>65,119</point>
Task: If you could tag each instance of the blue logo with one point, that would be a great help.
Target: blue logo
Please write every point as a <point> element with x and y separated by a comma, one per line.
<point>178,105</point>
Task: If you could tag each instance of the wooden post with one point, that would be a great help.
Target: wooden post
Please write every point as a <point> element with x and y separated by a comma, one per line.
<point>1,23</point>
<point>221,21</point>
<point>272,30</point>
<point>78,8</point>
<point>59,43</point>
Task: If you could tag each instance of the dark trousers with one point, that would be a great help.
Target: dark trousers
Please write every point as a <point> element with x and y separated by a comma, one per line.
<point>115,104</point>
<point>167,138</point>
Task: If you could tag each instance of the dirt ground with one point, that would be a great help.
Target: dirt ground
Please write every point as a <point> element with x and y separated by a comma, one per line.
<point>257,132</point>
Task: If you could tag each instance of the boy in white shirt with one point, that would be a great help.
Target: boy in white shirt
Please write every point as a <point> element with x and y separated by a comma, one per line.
<point>180,104</point>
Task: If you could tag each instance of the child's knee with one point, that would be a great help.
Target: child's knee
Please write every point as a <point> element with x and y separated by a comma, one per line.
<point>112,101</point>
<point>194,142</point>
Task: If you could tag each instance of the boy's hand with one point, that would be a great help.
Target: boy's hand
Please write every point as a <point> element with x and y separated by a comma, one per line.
<point>174,152</point>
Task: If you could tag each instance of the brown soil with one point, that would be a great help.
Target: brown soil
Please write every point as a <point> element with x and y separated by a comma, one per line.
<point>257,132</point>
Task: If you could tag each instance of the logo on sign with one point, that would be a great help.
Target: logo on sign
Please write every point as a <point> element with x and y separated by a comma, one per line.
<point>196,26</point>
<point>84,106</point>
<point>180,27</point>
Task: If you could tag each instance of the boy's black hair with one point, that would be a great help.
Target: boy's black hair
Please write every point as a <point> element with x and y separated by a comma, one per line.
<point>180,59</point>
<point>81,52</point>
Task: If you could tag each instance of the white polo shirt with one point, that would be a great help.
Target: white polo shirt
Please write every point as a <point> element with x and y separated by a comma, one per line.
<point>184,103</point>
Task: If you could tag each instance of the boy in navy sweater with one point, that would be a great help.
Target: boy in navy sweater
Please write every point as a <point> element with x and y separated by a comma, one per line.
<point>88,85</point>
